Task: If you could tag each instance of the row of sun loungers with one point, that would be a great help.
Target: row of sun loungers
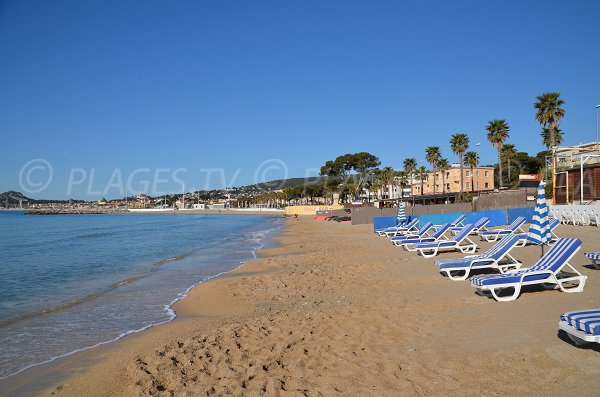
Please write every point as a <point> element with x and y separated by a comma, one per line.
<point>552,270</point>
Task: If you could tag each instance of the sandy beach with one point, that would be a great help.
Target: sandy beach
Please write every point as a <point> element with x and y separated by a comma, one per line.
<point>337,310</point>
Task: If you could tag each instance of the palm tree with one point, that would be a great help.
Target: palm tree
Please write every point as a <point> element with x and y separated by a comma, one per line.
<point>498,131</point>
<point>459,143</point>
<point>410,167</point>
<point>471,161</point>
<point>443,166</point>
<point>387,178</point>
<point>549,112</point>
<point>433,155</point>
<point>401,180</point>
<point>422,175</point>
<point>546,136</point>
<point>509,153</point>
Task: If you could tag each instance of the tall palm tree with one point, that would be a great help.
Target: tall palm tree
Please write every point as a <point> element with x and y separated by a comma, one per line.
<point>401,180</point>
<point>459,143</point>
<point>546,136</point>
<point>410,167</point>
<point>509,153</point>
<point>471,161</point>
<point>498,131</point>
<point>422,175</point>
<point>548,113</point>
<point>433,155</point>
<point>443,166</point>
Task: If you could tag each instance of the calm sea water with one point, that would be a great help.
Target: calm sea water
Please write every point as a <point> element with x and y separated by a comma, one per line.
<point>74,281</point>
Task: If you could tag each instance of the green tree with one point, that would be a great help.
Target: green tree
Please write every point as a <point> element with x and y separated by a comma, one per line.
<point>471,161</point>
<point>459,143</point>
<point>443,166</point>
<point>548,113</point>
<point>410,167</point>
<point>422,175</point>
<point>433,155</point>
<point>508,154</point>
<point>498,132</point>
<point>547,137</point>
<point>362,164</point>
<point>401,179</point>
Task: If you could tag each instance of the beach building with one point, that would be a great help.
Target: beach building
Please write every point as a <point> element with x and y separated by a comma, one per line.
<point>479,180</point>
<point>578,174</point>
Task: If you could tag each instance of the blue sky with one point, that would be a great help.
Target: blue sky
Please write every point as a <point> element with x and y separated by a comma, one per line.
<point>110,91</point>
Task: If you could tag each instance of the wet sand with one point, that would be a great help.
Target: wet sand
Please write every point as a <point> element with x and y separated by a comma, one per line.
<point>337,310</point>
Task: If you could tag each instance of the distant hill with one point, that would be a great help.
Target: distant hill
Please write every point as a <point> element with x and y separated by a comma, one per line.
<point>285,183</point>
<point>12,199</point>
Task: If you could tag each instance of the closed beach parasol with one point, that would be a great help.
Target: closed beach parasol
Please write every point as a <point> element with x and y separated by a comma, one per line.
<point>401,218</point>
<point>539,231</point>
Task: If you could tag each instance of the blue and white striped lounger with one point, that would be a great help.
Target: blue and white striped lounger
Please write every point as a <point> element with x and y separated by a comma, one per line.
<point>595,257</point>
<point>495,235</point>
<point>423,232</point>
<point>458,222</point>
<point>478,226</point>
<point>411,227</point>
<point>548,270</point>
<point>410,242</point>
<point>461,242</point>
<point>582,326</point>
<point>406,226</point>
<point>497,257</point>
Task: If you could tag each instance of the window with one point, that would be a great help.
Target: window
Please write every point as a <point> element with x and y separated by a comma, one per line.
<point>468,184</point>
<point>487,174</point>
<point>468,173</point>
<point>447,174</point>
<point>487,185</point>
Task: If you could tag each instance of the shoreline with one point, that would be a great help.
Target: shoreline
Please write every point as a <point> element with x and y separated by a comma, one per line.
<point>266,241</point>
<point>335,309</point>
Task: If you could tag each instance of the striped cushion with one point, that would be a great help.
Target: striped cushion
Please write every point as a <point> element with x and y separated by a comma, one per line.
<point>587,321</point>
<point>462,263</point>
<point>495,232</point>
<point>436,244</point>
<point>494,253</point>
<point>553,261</point>
<point>593,255</point>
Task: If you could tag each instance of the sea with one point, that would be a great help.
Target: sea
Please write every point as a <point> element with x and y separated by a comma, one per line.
<point>72,282</point>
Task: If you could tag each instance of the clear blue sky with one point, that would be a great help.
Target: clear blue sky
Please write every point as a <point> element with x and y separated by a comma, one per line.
<point>152,85</point>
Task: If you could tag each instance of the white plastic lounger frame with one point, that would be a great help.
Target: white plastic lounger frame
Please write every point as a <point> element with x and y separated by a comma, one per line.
<point>497,257</point>
<point>494,235</point>
<point>478,226</point>
<point>409,226</point>
<point>424,232</point>
<point>547,271</point>
<point>412,227</point>
<point>460,242</point>
<point>458,222</point>
<point>582,326</point>
<point>409,243</point>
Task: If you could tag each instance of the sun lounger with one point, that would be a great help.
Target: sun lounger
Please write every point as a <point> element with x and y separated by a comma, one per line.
<point>458,222</point>
<point>495,235</point>
<point>553,225</point>
<point>422,233</point>
<point>582,326</point>
<point>412,226</point>
<point>409,243</point>
<point>595,258</point>
<point>548,270</point>
<point>497,257</point>
<point>478,226</point>
<point>460,242</point>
